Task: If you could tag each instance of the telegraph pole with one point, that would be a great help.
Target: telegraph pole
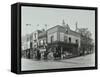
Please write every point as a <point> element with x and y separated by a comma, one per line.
<point>46,33</point>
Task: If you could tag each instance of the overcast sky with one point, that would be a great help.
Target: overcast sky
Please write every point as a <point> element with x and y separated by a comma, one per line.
<point>54,16</point>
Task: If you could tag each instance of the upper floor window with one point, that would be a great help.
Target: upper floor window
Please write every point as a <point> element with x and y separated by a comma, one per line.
<point>31,45</point>
<point>65,38</point>
<point>43,42</point>
<point>69,39</point>
<point>39,42</point>
<point>76,41</point>
<point>35,35</point>
<point>52,39</point>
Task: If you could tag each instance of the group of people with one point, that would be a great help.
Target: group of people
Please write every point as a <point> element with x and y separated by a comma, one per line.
<point>50,54</point>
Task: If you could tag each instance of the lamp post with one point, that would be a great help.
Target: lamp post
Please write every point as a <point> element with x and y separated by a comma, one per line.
<point>46,35</point>
<point>30,42</point>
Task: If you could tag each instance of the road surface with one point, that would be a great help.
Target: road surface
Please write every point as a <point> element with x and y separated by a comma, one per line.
<point>82,61</point>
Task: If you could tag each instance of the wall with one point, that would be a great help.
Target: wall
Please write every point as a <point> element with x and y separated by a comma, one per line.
<point>58,32</point>
<point>54,35</point>
<point>61,36</point>
<point>74,38</point>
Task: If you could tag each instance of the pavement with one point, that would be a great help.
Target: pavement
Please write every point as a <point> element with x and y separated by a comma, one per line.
<point>82,61</point>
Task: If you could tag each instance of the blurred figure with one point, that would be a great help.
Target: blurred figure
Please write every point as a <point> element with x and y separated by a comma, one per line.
<point>38,54</point>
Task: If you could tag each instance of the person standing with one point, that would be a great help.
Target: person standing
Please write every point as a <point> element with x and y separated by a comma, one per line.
<point>38,54</point>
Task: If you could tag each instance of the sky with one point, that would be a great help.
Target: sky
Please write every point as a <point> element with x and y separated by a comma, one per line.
<point>39,16</point>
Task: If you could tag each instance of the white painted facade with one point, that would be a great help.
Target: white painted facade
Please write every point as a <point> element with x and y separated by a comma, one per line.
<point>74,38</point>
<point>59,35</point>
<point>50,35</point>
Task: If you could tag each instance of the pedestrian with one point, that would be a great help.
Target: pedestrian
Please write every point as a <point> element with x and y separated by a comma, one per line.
<point>38,54</point>
<point>45,55</point>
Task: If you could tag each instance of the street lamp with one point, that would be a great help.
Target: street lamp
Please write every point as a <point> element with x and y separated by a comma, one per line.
<point>30,42</point>
<point>46,33</point>
<point>46,36</point>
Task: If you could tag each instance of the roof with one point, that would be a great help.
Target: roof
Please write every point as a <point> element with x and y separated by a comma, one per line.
<point>74,33</point>
<point>63,29</point>
<point>54,27</point>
